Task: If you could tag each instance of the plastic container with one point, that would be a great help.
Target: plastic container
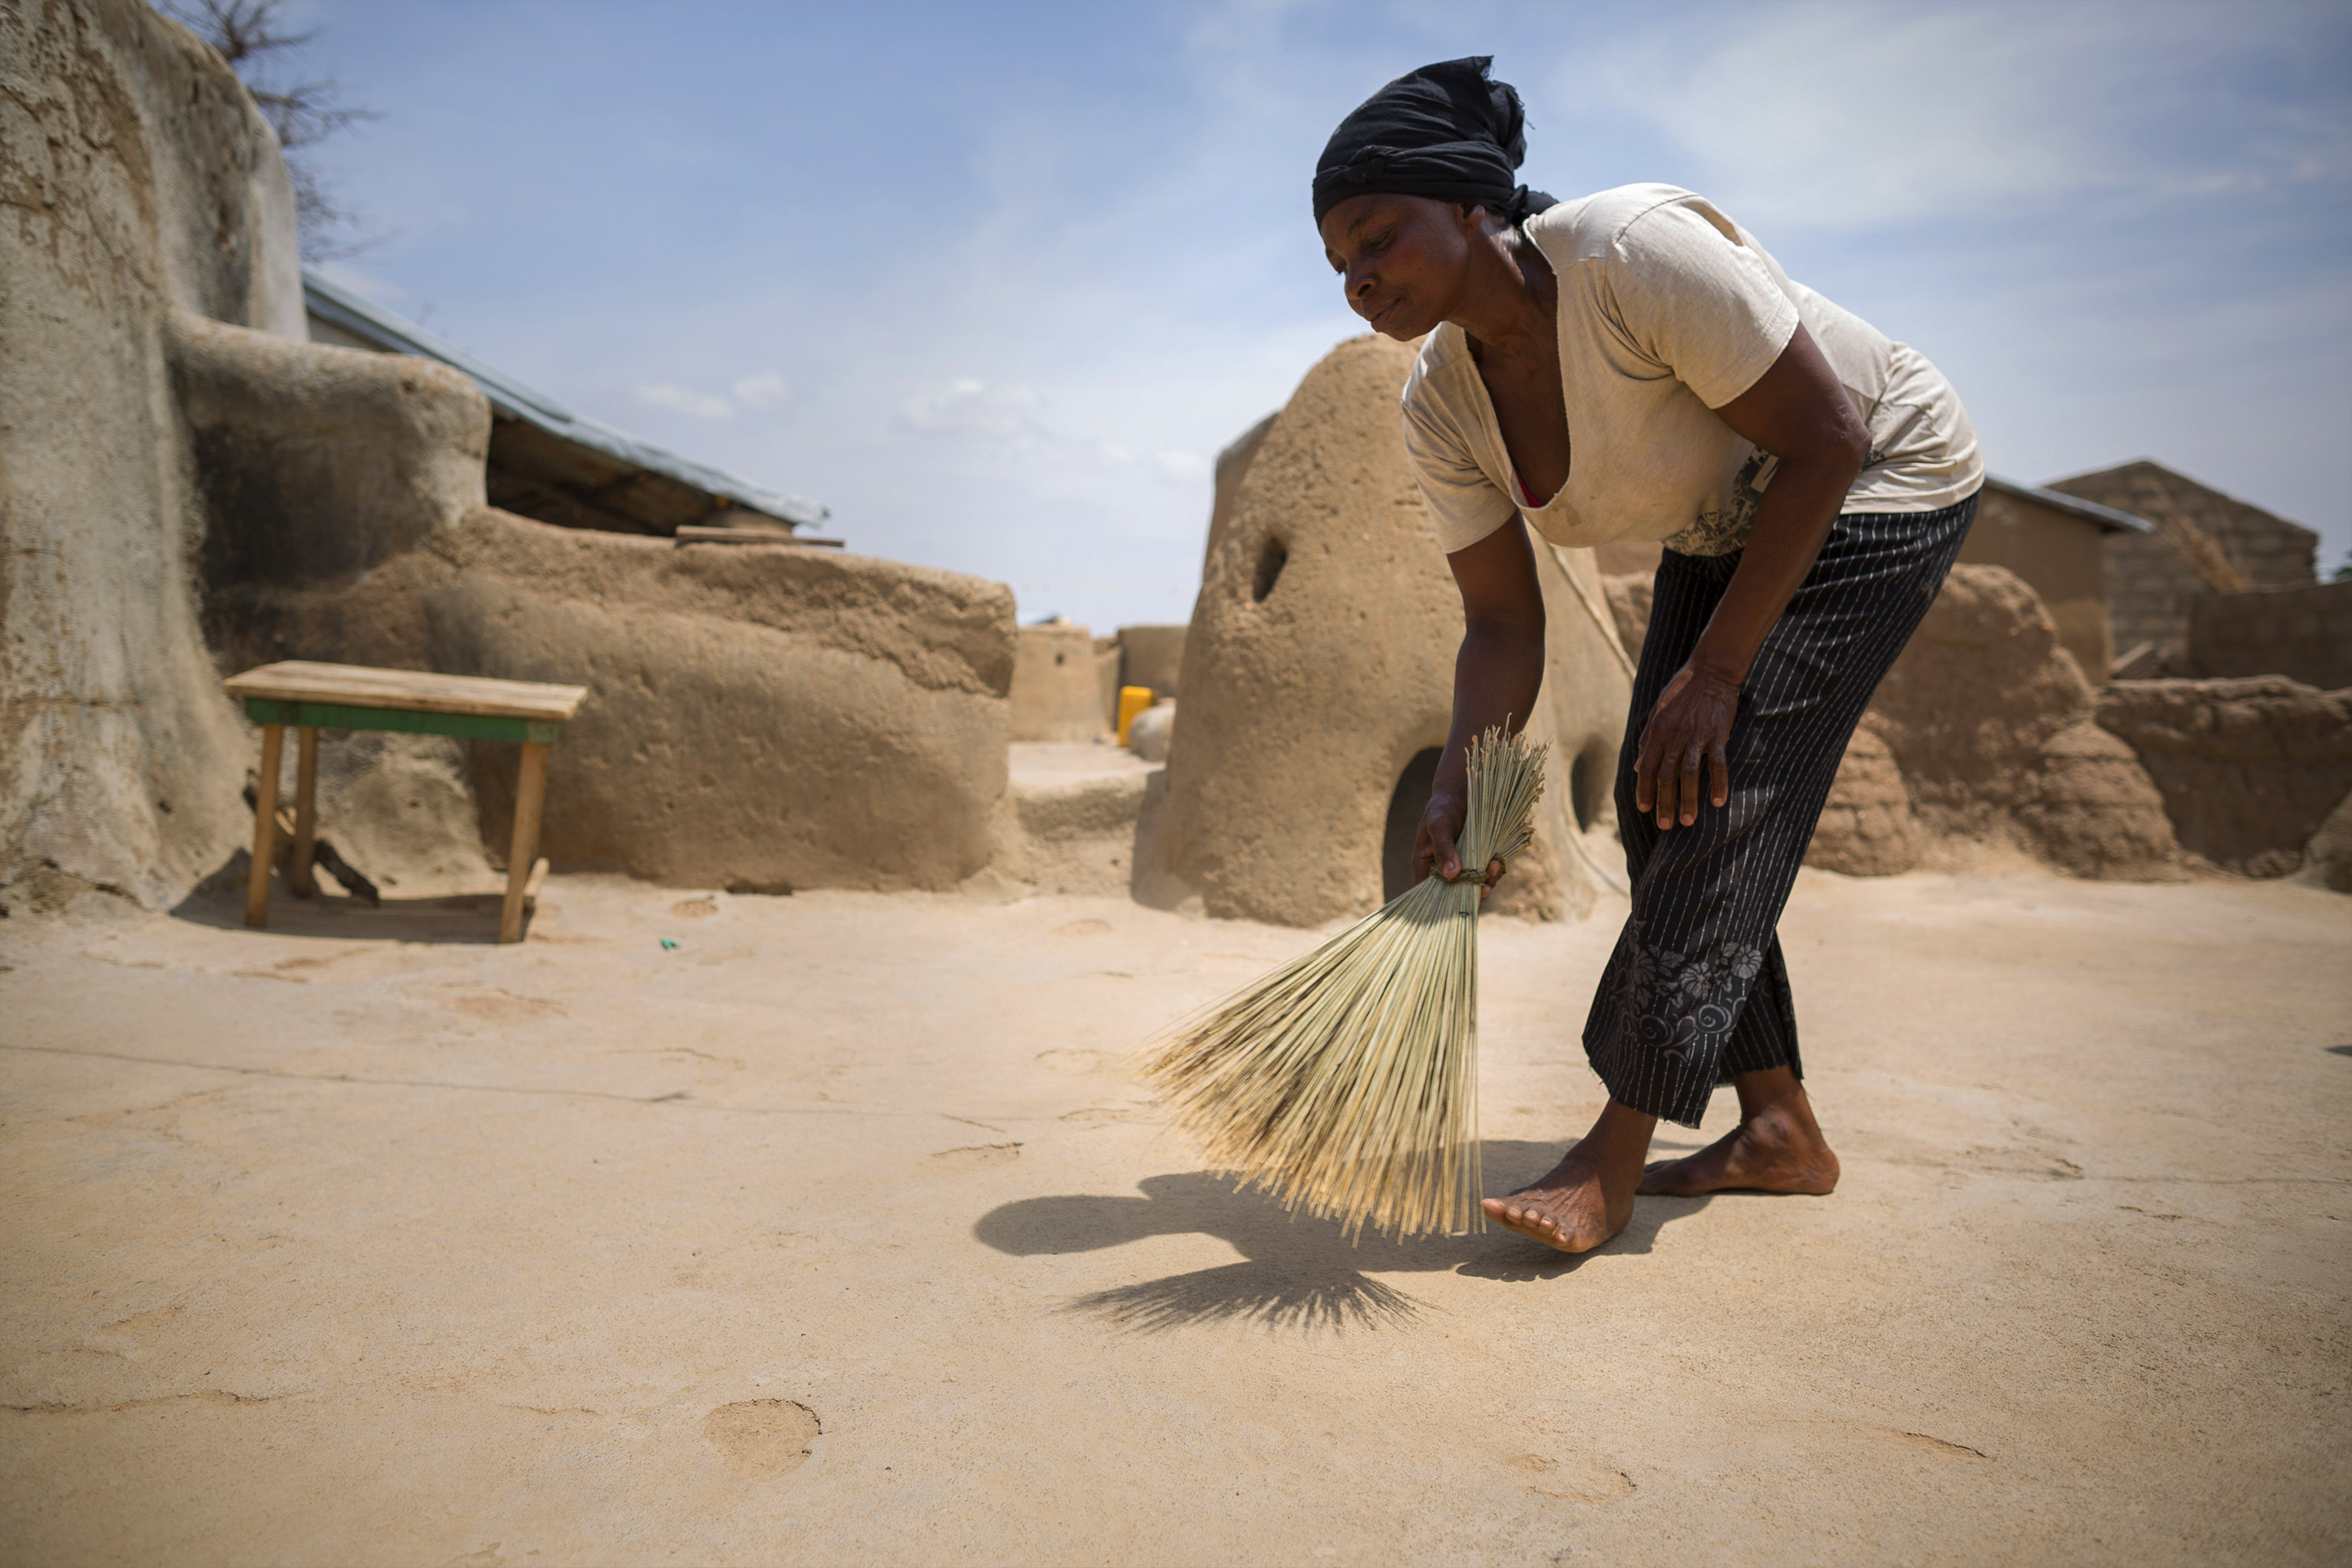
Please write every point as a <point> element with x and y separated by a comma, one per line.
<point>1132,700</point>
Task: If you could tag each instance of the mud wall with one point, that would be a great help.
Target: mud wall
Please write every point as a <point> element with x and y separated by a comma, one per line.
<point>2303,633</point>
<point>138,182</point>
<point>1057,684</point>
<point>759,718</point>
<point>2249,769</point>
<point>1992,725</point>
<point>314,464</point>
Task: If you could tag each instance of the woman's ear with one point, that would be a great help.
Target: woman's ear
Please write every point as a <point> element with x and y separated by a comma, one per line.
<point>1475,221</point>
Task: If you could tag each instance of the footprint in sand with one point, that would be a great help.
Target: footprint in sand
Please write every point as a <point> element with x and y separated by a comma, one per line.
<point>762,1438</point>
<point>974,1156</point>
<point>1080,1061</point>
<point>1136,1111</point>
<point>138,1326</point>
<point>501,1007</point>
<point>1594,1485</point>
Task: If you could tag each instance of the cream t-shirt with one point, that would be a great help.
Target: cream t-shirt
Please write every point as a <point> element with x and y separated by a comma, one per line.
<point>1668,311</point>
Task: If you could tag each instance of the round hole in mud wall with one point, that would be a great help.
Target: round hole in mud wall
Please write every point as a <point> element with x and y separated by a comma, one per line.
<point>1405,806</point>
<point>1272,557</point>
<point>1059,657</point>
<point>1589,782</point>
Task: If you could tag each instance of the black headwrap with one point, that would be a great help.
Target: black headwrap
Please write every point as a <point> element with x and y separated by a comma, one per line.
<point>1444,132</point>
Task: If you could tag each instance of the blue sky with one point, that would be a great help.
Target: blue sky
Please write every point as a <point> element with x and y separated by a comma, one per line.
<point>995,281</point>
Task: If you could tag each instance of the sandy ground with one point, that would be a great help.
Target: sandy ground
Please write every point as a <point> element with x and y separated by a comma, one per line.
<point>837,1233</point>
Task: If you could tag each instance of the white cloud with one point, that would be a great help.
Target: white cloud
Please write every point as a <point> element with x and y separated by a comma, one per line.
<point>763,391</point>
<point>1769,107</point>
<point>683,400</point>
<point>1834,116</point>
<point>972,410</point>
<point>1180,465</point>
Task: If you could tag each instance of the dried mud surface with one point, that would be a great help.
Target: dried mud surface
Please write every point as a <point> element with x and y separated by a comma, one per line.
<point>834,1231</point>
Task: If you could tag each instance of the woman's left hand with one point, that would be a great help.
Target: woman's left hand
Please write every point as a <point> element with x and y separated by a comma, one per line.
<point>1690,727</point>
<point>1801,411</point>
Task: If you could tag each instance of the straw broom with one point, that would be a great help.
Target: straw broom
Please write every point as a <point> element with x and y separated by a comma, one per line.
<point>1346,1081</point>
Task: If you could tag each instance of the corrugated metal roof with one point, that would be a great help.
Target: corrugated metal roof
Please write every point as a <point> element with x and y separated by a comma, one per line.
<point>2106,517</point>
<point>365,319</point>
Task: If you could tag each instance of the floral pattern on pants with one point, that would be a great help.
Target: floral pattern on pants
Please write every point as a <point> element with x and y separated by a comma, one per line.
<point>1685,1008</point>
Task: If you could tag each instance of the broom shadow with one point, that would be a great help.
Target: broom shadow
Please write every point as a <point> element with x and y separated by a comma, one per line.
<point>1299,1272</point>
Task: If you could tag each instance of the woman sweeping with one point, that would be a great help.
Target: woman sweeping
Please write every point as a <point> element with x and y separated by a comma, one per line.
<point>1634,365</point>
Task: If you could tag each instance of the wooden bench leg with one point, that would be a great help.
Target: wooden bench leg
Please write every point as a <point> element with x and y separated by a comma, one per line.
<point>530,793</point>
<point>265,827</point>
<point>298,880</point>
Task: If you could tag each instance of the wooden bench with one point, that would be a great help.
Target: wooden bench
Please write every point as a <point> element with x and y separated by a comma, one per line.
<point>312,697</point>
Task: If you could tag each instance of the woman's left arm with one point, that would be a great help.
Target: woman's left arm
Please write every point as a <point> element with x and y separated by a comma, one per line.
<point>1799,412</point>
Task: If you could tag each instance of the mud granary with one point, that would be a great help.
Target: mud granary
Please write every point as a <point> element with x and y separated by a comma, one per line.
<point>1318,675</point>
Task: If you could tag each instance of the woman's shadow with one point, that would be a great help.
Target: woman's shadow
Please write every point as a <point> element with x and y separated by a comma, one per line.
<point>1298,1271</point>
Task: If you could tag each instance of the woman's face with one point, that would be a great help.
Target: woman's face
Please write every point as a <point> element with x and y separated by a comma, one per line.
<point>1402,259</point>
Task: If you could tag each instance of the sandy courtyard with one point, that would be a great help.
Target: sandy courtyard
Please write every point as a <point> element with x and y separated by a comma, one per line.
<point>837,1233</point>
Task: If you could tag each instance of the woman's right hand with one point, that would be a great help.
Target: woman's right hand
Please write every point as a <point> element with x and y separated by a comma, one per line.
<point>1498,674</point>
<point>1433,847</point>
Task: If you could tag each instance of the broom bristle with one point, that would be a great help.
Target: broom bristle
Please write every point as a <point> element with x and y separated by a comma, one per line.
<point>1346,1081</point>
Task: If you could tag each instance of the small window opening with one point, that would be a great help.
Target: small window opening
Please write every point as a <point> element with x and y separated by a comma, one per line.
<point>1405,806</point>
<point>1271,560</point>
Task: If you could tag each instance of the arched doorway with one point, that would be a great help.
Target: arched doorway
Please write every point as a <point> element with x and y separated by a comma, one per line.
<point>1591,784</point>
<point>1405,806</point>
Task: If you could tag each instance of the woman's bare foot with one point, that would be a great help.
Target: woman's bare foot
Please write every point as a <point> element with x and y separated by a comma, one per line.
<point>1778,1147</point>
<point>1570,1209</point>
<point>1589,1196</point>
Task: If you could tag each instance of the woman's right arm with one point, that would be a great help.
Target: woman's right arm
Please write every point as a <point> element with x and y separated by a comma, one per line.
<point>1496,679</point>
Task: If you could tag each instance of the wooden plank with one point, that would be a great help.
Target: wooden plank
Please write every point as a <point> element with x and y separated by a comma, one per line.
<point>401,720</point>
<point>694,533</point>
<point>359,686</point>
<point>522,853</point>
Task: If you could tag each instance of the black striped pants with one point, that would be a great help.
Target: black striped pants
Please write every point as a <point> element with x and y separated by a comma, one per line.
<point>1696,992</point>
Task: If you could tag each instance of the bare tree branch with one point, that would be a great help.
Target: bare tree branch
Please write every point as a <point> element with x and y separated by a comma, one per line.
<point>247,34</point>
<point>240,29</point>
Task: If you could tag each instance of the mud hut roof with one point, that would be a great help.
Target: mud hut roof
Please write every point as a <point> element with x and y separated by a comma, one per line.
<point>2109,520</point>
<point>616,479</point>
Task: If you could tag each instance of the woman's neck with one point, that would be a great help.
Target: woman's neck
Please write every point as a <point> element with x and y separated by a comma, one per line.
<point>1506,302</point>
